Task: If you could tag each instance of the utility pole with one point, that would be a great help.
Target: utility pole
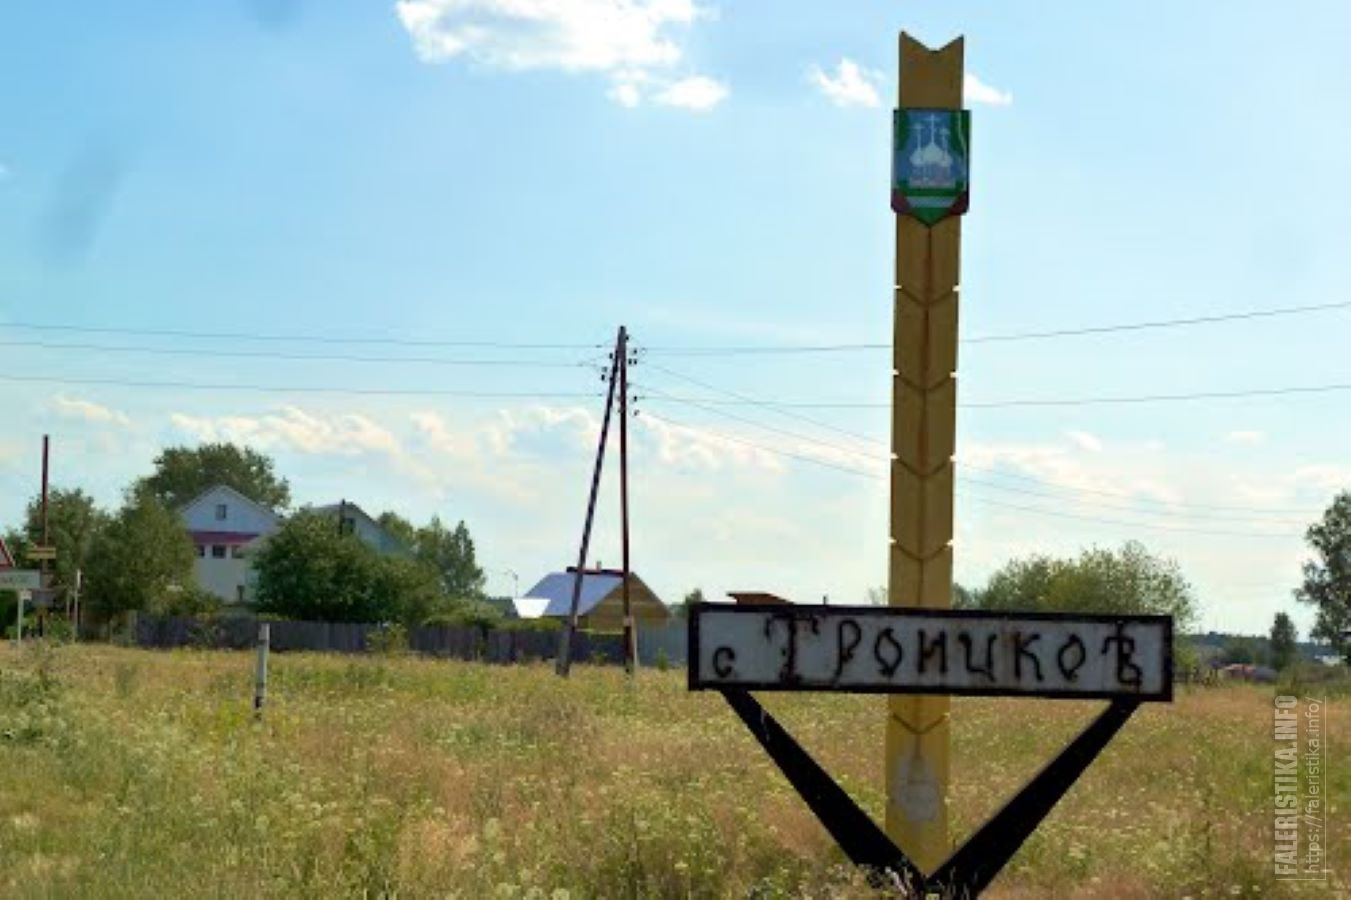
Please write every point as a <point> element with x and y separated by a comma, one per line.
<point>564,664</point>
<point>42,565</point>
<point>928,195</point>
<point>630,627</point>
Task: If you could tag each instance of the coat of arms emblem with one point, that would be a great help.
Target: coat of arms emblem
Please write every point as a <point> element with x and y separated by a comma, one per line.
<point>930,169</point>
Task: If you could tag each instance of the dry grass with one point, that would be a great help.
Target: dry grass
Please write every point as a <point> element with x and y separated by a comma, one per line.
<point>132,773</point>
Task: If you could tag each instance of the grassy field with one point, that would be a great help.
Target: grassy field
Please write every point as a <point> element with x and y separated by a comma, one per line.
<point>135,773</point>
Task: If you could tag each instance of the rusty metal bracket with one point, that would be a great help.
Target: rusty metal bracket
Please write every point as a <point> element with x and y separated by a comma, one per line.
<point>971,868</point>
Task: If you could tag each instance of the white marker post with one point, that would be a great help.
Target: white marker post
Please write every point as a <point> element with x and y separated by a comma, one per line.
<point>260,677</point>
<point>18,625</point>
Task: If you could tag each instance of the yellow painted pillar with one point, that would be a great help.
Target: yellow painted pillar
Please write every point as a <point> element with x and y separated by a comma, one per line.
<point>923,436</point>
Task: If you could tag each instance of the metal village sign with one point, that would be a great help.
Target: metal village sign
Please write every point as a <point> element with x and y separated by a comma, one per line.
<point>917,649</point>
<point>879,649</point>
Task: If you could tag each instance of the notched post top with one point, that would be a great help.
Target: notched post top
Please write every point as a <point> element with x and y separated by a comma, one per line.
<point>931,78</point>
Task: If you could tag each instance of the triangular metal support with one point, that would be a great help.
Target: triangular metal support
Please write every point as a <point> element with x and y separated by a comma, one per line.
<point>971,868</point>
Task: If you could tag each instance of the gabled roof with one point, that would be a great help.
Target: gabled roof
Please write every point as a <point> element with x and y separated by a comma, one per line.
<point>225,487</point>
<point>556,587</point>
<point>597,587</point>
<point>350,508</point>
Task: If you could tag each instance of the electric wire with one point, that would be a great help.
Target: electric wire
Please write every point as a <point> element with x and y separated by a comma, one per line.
<point>1046,401</point>
<point>301,389</point>
<point>297,338</point>
<point>982,500</point>
<point>1175,508</point>
<point>318,357</point>
<point>1113,328</point>
<point>1252,515</point>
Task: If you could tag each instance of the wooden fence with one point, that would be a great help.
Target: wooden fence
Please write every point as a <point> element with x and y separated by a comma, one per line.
<point>656,646</point>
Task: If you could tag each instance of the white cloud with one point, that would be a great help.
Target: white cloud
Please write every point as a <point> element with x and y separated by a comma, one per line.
<point>1085,441</point>
<point>695,93</point>
<point>629,40</point>
<point>850,85</point>
<point>88,411</point>
<point>296,430</point>
<point>626,95</point>
<point>977,91</point>
<point>1245,437</point>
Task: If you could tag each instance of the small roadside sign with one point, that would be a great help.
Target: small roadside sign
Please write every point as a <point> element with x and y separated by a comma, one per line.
<point>6,558</point>
<point>20,579</point>
<point>40,553</point>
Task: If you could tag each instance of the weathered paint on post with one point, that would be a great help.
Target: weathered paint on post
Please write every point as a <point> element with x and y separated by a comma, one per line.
<point>923,438</point>
<point>260,673</point>
<point>870,649</point>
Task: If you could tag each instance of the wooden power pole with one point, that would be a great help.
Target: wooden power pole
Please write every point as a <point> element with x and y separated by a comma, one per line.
<point>630,628</point>
<point>923,431</point>
<point>564,663</point>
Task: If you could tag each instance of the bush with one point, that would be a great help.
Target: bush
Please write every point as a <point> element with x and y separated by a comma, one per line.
<point>388,640</point>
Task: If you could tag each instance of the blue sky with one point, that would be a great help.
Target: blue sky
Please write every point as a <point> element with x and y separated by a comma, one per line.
<point>710,175</point>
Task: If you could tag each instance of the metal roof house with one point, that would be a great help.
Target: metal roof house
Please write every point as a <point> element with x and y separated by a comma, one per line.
<point>601,605</point>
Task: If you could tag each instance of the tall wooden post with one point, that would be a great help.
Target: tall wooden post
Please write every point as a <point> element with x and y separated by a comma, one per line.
<point>923,439</point>
<point>564,664</point>
<point>630,627</point>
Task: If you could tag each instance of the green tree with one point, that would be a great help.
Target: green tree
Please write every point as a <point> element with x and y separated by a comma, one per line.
<point>683,607</point>
<point>306,570</point>
<point>400,528</point>
<point>451,554</point>
<point>142,559</point>
<point>1240,649</point>
<point>181,473</point>
<point>1327,577</point>
<point>1129,580</point>
<point>1283,647</point>
<point>73,525</point>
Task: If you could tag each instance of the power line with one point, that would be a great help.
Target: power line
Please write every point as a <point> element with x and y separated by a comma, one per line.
<point>775,450</point>
<point>966,464</point>
<point>1255,516</point>
<point>983,500</point>
<point>874,457</point>
<point>297,338</point>
<point>1261,519</point>
<point>1122,496</point>
<point>1051,401</point>
<point>783,412</point>
<point>1064,515</point>
<point>1010,336</point>
<point>298,389</point>
<point>270,354</point>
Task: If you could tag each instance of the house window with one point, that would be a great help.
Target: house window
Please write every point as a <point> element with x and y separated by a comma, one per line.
<point>239,593</point>
<point>237,552</point>
<point>218,551</point>
<point>201,549</point>
<point>348,525</point>
<point>221,512</point>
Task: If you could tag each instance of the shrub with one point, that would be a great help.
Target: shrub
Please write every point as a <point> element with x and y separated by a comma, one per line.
<point>388,640</point>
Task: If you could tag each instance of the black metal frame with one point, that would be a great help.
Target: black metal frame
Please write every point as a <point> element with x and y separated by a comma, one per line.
<point>971,868</point>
